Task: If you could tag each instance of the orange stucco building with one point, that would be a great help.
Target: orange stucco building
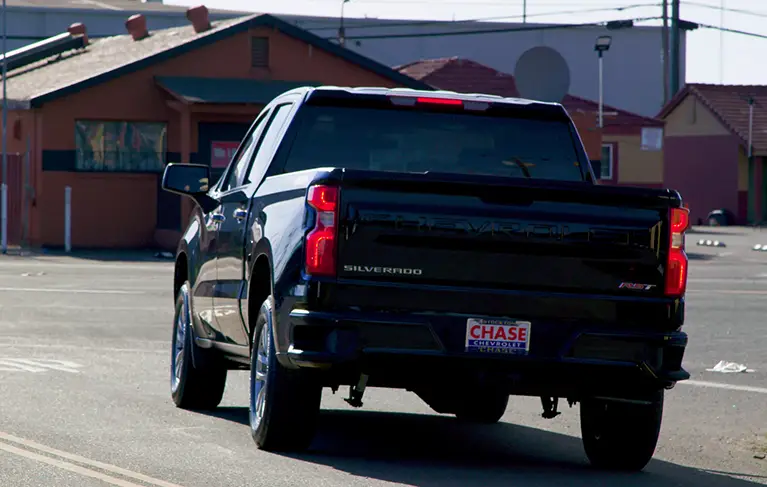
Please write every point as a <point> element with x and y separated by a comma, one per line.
<point>104,117</point>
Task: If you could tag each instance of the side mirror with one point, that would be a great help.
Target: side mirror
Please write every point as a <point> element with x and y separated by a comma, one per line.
<point>191,180</point>
<point>186,179</point>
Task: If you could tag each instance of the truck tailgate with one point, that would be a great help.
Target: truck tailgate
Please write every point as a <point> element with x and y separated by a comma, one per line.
<point>503,233</point>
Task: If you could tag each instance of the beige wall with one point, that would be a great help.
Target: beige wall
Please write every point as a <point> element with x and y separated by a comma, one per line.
<point>742,170</point>
<point>693,118</point>
<point>634,164</point>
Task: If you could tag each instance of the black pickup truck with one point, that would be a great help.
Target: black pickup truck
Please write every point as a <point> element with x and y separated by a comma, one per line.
<point>453,245</point>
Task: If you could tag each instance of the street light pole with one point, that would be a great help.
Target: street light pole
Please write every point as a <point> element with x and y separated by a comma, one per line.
<point>602,45</point>
<point>341,28</point>
<point>601,90</point>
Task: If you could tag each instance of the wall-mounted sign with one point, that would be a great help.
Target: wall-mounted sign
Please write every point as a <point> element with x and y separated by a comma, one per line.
<point>221,152</point>
<point>652,138</point>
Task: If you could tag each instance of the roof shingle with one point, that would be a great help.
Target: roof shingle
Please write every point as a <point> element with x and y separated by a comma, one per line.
<point>729,103</point>
<point>465,75</point>
<point>100,56</point>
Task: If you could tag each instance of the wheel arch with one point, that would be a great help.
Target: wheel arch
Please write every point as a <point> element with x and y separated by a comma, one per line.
<point>180,272</point>
<point>260,286</point>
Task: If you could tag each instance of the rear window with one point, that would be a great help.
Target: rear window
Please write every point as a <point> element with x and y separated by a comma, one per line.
<point>420,141</point>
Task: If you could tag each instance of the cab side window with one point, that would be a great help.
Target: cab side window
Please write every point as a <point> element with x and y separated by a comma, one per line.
<point>241,161</point>
<point>269,143</point>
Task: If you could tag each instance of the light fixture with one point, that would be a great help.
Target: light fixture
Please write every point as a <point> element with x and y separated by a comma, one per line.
<point>603,43</point>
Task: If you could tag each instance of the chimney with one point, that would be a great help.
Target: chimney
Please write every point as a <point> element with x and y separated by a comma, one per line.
<point>136,26</point>
<point>198,16</point>
<point>78,29</point>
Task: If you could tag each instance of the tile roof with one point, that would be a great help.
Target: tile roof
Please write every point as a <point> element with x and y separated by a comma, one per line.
<point>110,57</point>
<point>465,75</point>
<point>729,103</point>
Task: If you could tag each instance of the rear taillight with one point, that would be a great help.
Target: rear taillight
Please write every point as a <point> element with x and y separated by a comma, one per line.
<point>321,240</point>
<point>676,267</point>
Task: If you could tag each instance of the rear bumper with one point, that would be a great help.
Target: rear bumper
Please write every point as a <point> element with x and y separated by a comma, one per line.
<point>407,350</point>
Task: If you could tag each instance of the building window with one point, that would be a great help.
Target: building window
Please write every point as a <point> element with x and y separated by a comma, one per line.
<point>120,146</point>
<point>606,163</point>
<point>259,52</point>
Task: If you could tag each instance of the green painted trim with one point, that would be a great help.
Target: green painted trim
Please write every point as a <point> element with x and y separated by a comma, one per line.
<point>66,161</point>
<point>264,20</point>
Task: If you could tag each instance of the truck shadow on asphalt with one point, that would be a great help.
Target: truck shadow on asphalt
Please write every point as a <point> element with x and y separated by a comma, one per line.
<point>437,451</point>
<point>426,451</point>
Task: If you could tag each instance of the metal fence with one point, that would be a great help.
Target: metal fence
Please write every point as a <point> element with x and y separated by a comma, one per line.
<point>18,199</point>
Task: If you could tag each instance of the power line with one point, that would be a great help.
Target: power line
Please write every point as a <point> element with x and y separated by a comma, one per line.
<point>482,19</point>
<point>727,9</point>
<point>420,23</point>
<point>732,31</point>
<point>497,30</point>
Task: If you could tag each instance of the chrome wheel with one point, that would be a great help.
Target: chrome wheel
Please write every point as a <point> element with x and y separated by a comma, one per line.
<point>179,339</point>
<point>258,379</point>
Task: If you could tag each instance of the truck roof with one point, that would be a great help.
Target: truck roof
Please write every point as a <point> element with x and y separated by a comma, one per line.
<point>308,91</point>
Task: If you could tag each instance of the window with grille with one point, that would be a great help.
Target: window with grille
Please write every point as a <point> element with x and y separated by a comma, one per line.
<point>259,52</point>
<point>120,146</point>
<point>608,158</point>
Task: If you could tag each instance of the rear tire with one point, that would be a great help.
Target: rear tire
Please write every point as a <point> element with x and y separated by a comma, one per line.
<point>193,385</point>
<point>284,404</point>
<point>621,436</point>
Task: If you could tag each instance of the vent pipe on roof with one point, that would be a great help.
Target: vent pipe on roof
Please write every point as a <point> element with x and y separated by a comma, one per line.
<point>136,26</point>
<point>199,18</point>
<point>78,29</point>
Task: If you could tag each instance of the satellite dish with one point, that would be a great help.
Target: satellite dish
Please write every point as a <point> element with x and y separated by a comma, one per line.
<point>542,74</point>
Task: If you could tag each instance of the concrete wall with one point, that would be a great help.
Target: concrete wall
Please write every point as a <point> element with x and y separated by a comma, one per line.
<point>633,70</point>
<point>119,210</point>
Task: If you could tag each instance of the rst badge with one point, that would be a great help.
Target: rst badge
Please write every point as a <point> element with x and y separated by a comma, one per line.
<point>636,286</point>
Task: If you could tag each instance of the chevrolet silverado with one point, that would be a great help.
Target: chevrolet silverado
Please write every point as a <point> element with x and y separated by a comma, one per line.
<point>454,245</point>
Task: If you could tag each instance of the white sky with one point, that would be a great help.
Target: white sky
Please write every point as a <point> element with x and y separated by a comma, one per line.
<point>711,57</point>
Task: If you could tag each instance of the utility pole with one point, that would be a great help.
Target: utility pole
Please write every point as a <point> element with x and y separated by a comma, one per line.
<point>721,43</point>
<point>665,52</point>
<point>751,172</point>
<point>675,41</point>
<point>524,11</point>
<point>4,189</point>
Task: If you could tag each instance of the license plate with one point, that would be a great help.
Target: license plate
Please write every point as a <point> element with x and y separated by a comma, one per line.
<point>497,336</point>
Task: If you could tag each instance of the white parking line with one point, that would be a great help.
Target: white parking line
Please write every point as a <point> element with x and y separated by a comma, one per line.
<point>71,467</point>
<point>734,292</point>
<point>73,291</point>
<point>722,385</point>
<point>88,472</point>
<point>53,346</point>
<point>159,266</point>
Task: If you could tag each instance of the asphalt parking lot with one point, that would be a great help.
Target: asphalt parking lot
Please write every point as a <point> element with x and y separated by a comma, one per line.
<point>84,396</point>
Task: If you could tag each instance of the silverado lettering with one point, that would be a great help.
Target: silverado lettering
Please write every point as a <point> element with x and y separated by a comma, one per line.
<point>424,225</point>
<point>383,270</point>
